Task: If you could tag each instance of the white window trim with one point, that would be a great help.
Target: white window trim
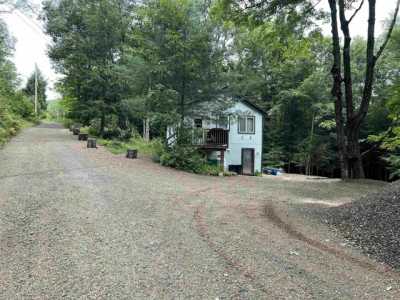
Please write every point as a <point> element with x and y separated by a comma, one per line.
<point>246,124</point>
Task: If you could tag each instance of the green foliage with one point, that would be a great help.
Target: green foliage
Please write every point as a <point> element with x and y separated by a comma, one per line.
<point>67,123</point>
<point>158,62</point>
<point>188,158</point>
<point>394,162</point>
<point>10,123</point>
<point>15,108</point>
<point>229,174</point>
<point>87,44</point>
<point>41,90</point>
<point>154,148</point>
<point>183,157</point>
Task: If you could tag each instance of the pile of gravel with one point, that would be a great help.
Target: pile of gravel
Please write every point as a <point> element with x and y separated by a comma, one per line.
<point>373,223</point>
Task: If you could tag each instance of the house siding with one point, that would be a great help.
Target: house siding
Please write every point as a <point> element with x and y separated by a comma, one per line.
<point>238,141</point>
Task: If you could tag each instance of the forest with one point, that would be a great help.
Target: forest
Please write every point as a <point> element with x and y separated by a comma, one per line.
<point>332,101</point>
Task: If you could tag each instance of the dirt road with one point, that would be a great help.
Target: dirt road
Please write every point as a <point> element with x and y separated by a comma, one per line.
<point>82,223</point>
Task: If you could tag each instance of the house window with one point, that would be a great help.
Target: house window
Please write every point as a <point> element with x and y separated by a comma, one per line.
<point>198,123</point>
<point>247,125</point>
<point>223,122</point>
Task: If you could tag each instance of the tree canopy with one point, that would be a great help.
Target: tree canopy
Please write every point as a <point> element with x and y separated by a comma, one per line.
<point>129,66</point>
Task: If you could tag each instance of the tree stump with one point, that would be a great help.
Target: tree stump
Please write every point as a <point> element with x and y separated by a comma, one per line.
<point>91,143</point>
<point>131,153</point>
<point>76,131</point>
<point>83,137</point>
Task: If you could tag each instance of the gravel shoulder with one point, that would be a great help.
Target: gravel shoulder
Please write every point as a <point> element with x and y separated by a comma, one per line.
<point>83,223</point>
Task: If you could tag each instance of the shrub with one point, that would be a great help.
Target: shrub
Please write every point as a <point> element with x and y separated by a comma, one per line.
<point>183,157</point>
<point>229,173</point>
<point>188,158</point>
<point>212,170</point>
<point>258,173</point>
<point>10,124</point>
<point>67,123</point>
<point>84,130</point>
<point>22,106</point>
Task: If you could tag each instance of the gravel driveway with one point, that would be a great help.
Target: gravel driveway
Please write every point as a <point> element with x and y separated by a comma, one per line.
<point>83,223</point>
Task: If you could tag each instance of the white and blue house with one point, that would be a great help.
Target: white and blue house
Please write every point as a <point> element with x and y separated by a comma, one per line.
<point>233,139</point>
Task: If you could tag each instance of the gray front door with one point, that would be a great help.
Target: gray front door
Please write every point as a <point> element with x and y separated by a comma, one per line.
<point>248,161</point>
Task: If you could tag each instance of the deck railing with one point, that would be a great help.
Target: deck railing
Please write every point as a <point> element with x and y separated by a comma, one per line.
<point>211,137</point>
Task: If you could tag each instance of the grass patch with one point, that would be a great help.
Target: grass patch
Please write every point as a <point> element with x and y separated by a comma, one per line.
<point>182,158</point>
<point>151,148</point>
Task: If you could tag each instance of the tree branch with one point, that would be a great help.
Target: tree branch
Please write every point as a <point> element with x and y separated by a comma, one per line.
<point>389,34</point>
<point>356,12</point>
<point>255,5</point>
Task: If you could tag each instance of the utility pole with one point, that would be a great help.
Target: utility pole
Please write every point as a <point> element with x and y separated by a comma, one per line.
<point>36,90</point>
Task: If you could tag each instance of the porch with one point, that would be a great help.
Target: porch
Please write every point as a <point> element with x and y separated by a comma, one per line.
<point>214,138</point>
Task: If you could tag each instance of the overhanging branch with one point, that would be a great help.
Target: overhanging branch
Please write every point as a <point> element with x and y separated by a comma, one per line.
<point>389,33</point>
<point>356,12</point>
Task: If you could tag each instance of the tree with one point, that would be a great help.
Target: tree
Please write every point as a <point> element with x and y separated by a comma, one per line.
<point>348,129</point>
<point>8,6</point>
<point>41,90</point>
<point>349,116</point>
<point>88,38</point>
<point>176,61</point>
<point>14,105</point>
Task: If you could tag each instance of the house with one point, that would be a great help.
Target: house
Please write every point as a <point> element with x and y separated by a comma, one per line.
<point>233,139</point>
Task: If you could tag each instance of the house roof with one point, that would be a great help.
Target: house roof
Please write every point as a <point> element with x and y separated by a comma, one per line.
<point>253,106</point>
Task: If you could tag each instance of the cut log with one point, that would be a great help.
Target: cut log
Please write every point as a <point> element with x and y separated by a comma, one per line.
<point>76,131</point>
<point>131,153</point>
<point>91,143</point>
<point>83,137</point>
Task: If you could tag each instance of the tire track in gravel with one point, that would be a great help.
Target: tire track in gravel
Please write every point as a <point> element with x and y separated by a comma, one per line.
<point>202,230</point>
<point>312,285</point>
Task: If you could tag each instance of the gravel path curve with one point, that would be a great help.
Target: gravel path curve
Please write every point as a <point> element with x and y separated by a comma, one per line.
<point>79,223</point>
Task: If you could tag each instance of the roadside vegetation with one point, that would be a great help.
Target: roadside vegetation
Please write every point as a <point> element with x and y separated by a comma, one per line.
<point>186,158</point>
<point>16,106</point>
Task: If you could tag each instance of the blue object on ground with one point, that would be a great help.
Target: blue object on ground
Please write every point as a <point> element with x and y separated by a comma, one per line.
<point>271,171</point>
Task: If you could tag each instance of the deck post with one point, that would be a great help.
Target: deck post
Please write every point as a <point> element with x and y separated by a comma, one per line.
<point>222,159</point>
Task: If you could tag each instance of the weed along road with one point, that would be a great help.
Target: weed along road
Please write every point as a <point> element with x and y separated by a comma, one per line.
<point>83,223</point>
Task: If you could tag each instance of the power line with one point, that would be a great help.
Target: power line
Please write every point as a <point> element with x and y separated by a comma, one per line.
<point>29,22</point>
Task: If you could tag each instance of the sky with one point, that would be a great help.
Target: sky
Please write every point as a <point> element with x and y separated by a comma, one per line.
<point>32,44</point>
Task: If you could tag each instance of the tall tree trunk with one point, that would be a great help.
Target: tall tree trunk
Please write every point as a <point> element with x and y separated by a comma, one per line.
<point>146,129</point>
<point>182,106</point>
<point>337,91</point>
<point>356,168</point>
<point>350,157</point>
<point>309,159</point>
<point>353,155</point>
<point>102,123</point>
